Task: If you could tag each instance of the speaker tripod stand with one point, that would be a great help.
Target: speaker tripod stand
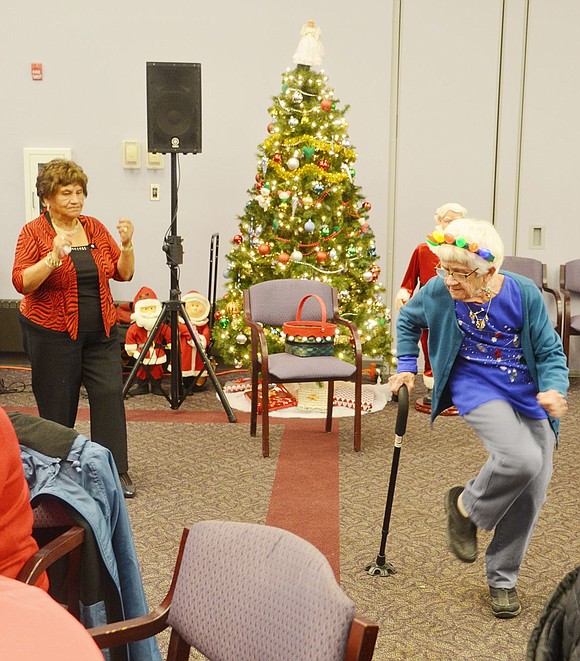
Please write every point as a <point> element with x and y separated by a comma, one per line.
<point>173,309</point>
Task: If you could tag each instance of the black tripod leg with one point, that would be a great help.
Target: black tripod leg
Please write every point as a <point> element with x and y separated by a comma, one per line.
<point>208,366</point>
<point>177,395</point>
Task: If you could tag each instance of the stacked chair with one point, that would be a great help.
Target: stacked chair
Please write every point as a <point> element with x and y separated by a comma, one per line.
<point>569,284</point>
<point>536,271</point>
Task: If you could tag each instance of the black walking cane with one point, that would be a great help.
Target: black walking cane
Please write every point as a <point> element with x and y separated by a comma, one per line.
<point>380,567</point>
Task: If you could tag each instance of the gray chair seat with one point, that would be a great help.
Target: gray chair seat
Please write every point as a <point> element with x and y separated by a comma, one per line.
<point>290,368</point>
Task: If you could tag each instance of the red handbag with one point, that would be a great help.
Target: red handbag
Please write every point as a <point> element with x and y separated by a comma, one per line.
<point>309,338</point>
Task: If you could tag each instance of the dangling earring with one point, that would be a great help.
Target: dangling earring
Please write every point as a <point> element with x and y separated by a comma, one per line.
<point>487,292</point>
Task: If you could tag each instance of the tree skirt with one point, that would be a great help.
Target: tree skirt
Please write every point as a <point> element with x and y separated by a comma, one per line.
<point>311,399</point>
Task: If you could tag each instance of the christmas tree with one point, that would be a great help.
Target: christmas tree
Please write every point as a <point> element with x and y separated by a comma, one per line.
<point>305,216</point>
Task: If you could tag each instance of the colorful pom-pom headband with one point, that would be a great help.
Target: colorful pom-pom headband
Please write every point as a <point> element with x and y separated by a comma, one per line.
<point>437,238</point>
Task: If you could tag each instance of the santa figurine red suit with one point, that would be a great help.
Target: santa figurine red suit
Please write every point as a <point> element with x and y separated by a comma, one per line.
<point>421,269</point>
<point>146,310</point>
<point>198,309</point>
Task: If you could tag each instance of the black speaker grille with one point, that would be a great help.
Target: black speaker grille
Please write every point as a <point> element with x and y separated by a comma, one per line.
<point>174,107</point>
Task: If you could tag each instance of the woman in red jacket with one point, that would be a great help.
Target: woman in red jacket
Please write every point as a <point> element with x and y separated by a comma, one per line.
<point>62,266</point>
<point>17,544</point>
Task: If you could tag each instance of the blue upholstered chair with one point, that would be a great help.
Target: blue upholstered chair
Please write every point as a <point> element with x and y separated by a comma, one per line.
<point>274,302</point>
<point>250,592</point>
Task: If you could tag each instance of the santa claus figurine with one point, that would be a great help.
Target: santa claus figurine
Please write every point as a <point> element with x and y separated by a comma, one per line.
<point>146,311</point>
<point>198,309</point>
<point>421,268</point>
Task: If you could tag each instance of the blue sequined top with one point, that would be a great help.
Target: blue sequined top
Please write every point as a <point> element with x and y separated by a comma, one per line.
<point>490,364</point>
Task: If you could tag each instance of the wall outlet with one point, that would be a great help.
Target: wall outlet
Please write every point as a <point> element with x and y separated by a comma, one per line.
<point>154,192</point>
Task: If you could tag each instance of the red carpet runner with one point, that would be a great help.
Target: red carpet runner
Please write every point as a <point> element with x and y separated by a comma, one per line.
<point>305,491</point>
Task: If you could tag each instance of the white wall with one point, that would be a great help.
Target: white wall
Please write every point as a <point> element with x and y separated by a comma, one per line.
<point>488,109</point>
<point>93,97</point>
<point>448,67</point>
<point>486,114</point>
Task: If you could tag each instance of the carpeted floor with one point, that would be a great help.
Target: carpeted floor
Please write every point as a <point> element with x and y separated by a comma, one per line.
<point>192,464</point>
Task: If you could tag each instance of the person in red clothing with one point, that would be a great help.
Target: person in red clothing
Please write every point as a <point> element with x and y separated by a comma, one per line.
<point>62,266</point>
<point>421,268</point>
<point>17,544</point>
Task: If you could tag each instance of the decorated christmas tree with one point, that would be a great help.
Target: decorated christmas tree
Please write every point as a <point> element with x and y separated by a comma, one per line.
<point>306,217</point>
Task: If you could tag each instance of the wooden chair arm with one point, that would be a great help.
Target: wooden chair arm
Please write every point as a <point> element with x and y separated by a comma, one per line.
<point>137,628</point>
<point>565,296</point>
<point>50,553</point>
<point>259,335</point>
<point>362,639</point>
<point>355,336</point>
<point>556,296</point>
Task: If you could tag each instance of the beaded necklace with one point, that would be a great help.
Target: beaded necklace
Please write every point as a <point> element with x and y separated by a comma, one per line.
<point>479,322</point>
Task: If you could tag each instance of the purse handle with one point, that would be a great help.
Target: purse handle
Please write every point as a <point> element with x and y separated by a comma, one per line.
<point>320,302</point>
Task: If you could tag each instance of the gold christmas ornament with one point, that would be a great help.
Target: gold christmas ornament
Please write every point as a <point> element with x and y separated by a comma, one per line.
<point>232,308</point>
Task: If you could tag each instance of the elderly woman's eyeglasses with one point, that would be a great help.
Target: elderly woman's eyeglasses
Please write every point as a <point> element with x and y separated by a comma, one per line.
<point>457,276</point>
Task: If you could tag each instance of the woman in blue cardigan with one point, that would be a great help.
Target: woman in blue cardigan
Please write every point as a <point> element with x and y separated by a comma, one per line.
<point>497,358</point>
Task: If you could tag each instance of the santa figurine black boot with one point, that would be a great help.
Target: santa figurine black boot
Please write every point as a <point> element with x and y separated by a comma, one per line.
<point>156,388</point>
<point>142,388</point>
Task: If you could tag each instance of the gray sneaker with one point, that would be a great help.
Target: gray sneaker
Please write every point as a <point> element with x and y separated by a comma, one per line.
<point>505,602</point>
<point>461,532</point>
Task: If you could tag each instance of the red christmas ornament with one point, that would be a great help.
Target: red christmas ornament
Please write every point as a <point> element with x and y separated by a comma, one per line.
<point>217,315</point>
<point>367,206</point>
<point>264,249</point>
<point>326,104</point>
<point>323,164</point>
<point>259,178</point>
<point>270,128</point>
<point>238,239</point>
<point>375,269</point>
<point>277,158</point>
<point>321,256</point>
<point>283,258</point>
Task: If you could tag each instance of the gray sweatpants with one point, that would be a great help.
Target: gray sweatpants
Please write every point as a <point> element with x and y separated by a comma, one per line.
<point>510,489</point>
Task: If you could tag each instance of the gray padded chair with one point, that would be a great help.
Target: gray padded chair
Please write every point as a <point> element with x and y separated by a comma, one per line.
<point>250,592</point>
<point>535,270</point>
<point>274,302</point>
<point>569,282</point>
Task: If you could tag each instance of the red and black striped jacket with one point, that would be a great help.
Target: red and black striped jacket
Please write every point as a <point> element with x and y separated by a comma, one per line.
<point>54,305</point>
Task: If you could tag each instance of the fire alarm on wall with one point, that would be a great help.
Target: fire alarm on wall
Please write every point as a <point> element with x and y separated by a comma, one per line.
<point>36,70</point>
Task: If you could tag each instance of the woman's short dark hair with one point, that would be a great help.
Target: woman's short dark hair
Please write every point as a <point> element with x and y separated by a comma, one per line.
<point>57,173</point>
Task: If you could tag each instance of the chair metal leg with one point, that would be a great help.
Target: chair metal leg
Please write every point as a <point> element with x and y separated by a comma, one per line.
<point>265,417</point>
<point>329,406</point>
<point>254,404</point>
<point>357,413</point>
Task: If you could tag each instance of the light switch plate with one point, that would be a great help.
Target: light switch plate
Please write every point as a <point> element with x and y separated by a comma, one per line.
<point>537,237</point>
<point>131,154</point>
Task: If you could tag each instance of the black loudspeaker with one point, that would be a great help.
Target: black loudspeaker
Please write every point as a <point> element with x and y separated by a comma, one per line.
<point>174,107</point>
